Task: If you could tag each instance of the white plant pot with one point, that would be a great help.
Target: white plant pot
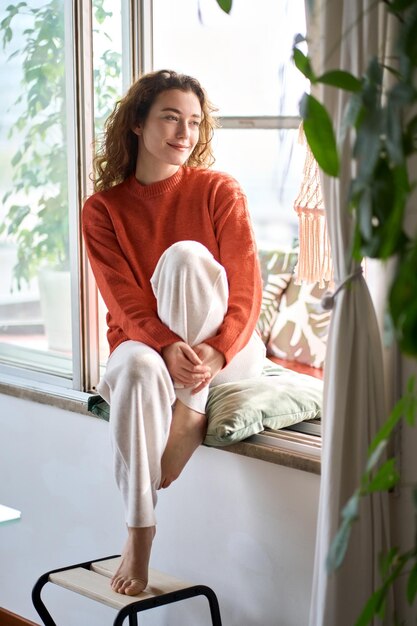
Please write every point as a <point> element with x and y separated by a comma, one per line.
<point>55,295</point>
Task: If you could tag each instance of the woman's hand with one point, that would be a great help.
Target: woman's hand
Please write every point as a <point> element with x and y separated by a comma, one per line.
<point>185,366</point>
<point>211,358</point>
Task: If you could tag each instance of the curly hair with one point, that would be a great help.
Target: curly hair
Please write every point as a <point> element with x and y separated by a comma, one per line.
<point>116,155</point>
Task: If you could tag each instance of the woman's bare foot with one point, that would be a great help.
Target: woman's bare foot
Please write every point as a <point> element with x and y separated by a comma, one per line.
<point>188,429</point>
<point>131,577</point>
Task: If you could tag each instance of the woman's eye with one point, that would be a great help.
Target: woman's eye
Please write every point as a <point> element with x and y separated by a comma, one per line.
<point>172,117</point>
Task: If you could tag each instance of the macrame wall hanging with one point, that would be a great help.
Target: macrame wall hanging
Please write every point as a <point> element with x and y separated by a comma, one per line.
<point>314,259</point>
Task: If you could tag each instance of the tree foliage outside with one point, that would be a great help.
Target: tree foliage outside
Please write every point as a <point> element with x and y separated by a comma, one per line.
<point>37,218</point>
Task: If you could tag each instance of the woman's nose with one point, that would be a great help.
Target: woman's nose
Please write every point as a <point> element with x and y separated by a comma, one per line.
<point>182,129</point>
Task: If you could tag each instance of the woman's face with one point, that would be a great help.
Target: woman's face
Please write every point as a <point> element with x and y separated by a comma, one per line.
<point>169,133</point>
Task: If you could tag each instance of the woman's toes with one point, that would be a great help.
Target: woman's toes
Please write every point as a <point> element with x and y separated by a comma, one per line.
<point>134,587</point>
<point>116,583</point>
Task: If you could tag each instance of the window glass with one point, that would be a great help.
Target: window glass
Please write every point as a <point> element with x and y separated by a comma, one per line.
<point>108,88</point>
<point>242,59</point>
<point>38,158</point>
<point>34,244</point>
<point>244,62</point>
<point>269,164</point>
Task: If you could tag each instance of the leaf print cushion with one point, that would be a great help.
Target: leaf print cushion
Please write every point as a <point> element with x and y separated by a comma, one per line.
<point>276,267</point>
<point>300,329</point>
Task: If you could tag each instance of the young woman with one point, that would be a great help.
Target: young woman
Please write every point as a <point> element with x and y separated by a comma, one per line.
<point>172,249</point>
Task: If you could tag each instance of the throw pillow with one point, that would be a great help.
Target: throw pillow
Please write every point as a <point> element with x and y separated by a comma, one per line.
<point>301,326</point>
<point>275,400</point>
<point>276,267</point>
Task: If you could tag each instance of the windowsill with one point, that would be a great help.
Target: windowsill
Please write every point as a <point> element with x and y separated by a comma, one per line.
<point>60,397</point>
<point>288,448</point>
<point>282,447</point>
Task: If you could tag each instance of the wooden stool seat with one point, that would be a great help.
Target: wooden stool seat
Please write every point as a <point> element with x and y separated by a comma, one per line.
<point>91,579</point>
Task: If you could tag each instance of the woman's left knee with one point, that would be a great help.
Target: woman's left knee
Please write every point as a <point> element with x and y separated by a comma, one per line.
<point>180,253</point>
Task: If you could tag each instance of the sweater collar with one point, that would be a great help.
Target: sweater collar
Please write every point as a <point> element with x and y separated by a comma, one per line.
<point>158,188</point>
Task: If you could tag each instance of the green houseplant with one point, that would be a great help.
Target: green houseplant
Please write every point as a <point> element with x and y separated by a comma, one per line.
<point>382,116</point>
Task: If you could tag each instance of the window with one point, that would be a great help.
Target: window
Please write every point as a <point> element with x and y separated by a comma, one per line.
<point>243,61</point>
<point>63,65</point>
<point>47,129</point>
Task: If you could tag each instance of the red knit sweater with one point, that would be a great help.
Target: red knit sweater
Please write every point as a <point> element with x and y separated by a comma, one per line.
<point>128,227</point>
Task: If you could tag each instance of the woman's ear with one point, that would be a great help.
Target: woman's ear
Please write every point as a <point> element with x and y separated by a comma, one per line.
<point>137,130</point>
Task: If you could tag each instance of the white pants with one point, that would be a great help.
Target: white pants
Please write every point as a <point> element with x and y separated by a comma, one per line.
<point>192,293</point>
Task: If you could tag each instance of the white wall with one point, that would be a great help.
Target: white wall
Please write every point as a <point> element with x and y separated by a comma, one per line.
<point>243,526</point>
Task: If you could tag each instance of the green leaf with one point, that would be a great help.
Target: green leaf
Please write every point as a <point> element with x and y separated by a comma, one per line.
<point>364,208</point>
<point>385,478</point>
<point>407,35</point>
<point>351,509</point>
<point>303,63</point>
<point>338,547</point>
<point>396,186</point>
<point>16,158</point>
<point>376,455</point>
<point>320,135</point>
<point>399,5</point>
<point>350,116</point>
<point>386,561</point>
<point>340,542</point>
<point>374,75</point>
<point>8,35</point>
<point>411,383</point>
<point>410,136</point>
<point>400,96</point>
<point>341,79</point>
<point>16,215</point>
<point>372,607</point>
<point>225,5</point>
<point>403,302</point>
<point>411,410</point>
<point>393,133</point>
<point>412,585</point>
<point>388,426</point>
<point>368,142</point>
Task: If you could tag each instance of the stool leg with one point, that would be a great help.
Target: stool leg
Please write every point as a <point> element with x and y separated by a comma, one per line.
<point>133,619</point>
<point>38,603</point>
<point>121,616</point>
<point>216,620</point>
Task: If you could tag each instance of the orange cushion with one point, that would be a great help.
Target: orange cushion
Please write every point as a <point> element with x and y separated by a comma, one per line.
<point>301,368</point>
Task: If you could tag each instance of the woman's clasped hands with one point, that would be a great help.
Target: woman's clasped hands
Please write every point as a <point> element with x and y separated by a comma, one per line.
<point>192,366</point>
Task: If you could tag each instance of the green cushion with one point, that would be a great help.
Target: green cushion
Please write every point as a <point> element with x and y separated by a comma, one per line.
<point>277,399</point>
<point>235,411</point>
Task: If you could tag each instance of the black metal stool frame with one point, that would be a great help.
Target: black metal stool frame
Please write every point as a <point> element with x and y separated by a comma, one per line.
<point>129,611</point>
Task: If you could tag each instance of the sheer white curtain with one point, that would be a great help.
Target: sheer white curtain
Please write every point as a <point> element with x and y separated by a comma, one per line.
<point>345,34</point>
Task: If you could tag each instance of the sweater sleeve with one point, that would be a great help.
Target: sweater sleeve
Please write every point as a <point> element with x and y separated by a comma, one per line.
<point>131,308</point>
<point>239,257</point>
